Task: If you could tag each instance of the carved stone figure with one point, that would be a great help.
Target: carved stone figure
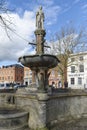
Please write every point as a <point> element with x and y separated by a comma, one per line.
<point>40,19</point>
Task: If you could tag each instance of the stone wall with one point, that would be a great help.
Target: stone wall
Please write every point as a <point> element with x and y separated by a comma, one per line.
<point>66,107</point>
<point>48,110</point>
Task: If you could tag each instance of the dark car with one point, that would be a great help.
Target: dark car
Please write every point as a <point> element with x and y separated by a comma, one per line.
<point>5,86</point>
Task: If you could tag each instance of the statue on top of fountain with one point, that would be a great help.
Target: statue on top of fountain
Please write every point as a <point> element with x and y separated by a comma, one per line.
<point>40,19</point>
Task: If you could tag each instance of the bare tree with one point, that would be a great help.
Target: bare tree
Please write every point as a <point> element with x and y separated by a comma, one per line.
<point>64,43</point>
<point>5,23</point>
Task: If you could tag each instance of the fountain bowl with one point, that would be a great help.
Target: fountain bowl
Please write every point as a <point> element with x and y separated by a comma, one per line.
<point>39,61</point>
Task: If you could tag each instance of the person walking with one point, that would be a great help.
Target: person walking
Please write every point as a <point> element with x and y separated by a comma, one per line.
<point>66,84</point>
<point>59,84</point>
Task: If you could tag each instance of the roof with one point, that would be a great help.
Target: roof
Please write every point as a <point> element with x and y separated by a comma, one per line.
<point>13,65</point>
<point>80,53</point>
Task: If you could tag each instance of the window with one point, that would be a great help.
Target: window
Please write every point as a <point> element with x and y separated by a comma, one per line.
<point>8,77</point>
<point>21,77</point>
<point>79,80</point>
<point>72,59</point>
<point>72,69</point>
<point>2,78</point>
<point>30,72</point>
<point>81,58</point>
<point>58,72</point>
<point>30,81</point>
<point>27,73</point>
<point>11,71</point>
<point>72,81</point>
<point>81,68</point>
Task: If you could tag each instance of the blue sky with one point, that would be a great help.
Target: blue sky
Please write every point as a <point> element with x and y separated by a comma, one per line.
<point>58,13</point>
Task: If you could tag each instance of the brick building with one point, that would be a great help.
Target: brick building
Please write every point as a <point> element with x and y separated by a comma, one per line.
<point>12,74</point>
<point>27,76</point>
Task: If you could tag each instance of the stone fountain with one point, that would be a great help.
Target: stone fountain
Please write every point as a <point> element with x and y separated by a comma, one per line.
<point>40,63</point>
<point>27,110</point>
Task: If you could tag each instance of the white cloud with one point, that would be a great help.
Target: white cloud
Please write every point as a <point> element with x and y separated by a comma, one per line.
<point>51,14</point>
<point>66,9</point>
<point>11,50</point>
<point>24,26</point>
<point>76,1</point>
<point>84,6</point>
<point>84,10</point>
<point>46,2</point>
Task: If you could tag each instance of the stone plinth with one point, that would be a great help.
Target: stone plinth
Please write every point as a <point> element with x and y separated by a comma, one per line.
<point>35,103</point>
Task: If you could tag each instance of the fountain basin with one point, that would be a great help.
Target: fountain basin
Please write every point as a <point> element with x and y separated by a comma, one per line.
<point>39,61</point>
<point>13,119</point>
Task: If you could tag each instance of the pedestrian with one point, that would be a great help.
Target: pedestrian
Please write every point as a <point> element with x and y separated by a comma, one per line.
<point>66,84</point>
<point>53,84</point>
<point>59,84</point>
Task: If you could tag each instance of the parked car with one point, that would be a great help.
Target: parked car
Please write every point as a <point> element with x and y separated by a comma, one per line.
<point>5,86</point>
<point>19,86</point>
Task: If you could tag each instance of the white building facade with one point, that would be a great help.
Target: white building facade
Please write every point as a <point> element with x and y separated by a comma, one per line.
<point>77,71</point>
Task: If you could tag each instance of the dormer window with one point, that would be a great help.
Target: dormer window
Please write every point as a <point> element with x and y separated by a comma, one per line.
<point>72,59</point>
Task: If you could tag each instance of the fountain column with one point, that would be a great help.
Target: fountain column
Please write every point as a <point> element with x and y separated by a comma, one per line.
<point>40,34</point>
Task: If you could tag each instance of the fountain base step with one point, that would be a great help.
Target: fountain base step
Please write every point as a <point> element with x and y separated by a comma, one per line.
<point>13,119</point>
